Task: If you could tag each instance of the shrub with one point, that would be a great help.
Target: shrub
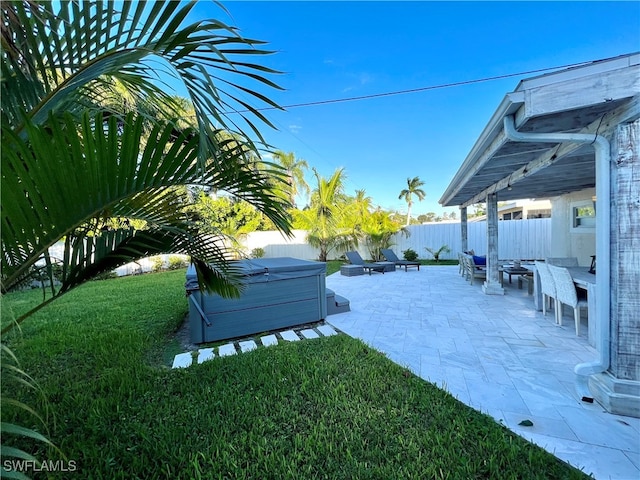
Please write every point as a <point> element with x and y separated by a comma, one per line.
<point>410,255</point>
<point>157,264</point>
<point>257,252</point>
<point>176,262</point>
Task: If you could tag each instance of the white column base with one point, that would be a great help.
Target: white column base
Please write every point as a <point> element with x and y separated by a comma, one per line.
<point>621,397</point>
<point>490,288</point>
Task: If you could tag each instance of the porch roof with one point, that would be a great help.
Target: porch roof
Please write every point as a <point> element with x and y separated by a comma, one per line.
<point>592,98</point>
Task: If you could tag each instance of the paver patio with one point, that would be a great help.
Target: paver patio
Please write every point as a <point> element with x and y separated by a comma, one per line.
<point>494,353</point>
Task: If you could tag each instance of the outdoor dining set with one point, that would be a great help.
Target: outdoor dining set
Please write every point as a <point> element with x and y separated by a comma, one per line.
<point>553,283</point>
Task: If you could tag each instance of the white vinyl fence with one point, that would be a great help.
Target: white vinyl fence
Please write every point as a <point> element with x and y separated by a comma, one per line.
<point>518,239</point>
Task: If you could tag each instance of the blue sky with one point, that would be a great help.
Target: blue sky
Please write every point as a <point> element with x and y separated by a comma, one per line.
<point>333,50</point>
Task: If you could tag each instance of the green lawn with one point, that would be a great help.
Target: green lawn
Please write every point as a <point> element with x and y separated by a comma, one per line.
<point>324,408</point>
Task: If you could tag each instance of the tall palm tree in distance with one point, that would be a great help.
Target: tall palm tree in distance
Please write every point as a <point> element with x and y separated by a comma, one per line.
<point>294,169</point>
<point>413,188</point>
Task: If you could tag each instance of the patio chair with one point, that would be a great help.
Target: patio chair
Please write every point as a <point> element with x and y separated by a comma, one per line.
<point>392,257</point>
<point>356,259</point>
<point>547,287</point>
<point>562,261</point>
<point>566,294</point>
<point>472,270</point>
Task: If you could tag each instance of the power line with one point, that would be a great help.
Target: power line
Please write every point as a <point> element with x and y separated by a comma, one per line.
<point>415,90</point>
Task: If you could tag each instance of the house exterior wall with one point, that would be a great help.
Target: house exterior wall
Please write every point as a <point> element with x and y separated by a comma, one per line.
<point>567,241</point>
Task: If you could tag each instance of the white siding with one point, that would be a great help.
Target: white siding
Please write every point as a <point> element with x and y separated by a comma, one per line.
<point>567,241</point>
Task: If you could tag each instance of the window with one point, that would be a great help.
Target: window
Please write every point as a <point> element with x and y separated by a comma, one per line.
<point>583,215</point>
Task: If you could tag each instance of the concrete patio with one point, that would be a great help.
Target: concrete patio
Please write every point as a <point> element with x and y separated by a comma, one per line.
<point>494,353</point>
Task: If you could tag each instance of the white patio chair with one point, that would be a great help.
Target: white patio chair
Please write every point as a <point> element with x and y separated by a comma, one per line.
<point>547,287</point>
<point>566,294</point>
<point>562,261</point>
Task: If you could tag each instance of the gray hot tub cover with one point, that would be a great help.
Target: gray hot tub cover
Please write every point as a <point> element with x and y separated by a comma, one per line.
<point>259,270</point>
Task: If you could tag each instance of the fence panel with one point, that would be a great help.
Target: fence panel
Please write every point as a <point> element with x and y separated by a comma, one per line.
<point>518,239</point>
<point>277,245</point>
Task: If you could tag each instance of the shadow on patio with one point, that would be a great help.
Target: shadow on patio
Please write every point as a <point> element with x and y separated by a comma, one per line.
<point>494,353</point>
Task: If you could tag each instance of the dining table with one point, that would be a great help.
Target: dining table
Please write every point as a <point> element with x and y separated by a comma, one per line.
<point>582,279</point>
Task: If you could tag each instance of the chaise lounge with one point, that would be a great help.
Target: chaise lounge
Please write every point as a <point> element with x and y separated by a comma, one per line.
<point>355,259</point>
<point>392,257</point>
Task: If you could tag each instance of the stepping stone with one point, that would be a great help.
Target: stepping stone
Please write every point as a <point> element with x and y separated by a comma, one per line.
<point>205,354</point>
<point>326,330</point>
<point>309,333</point>
<point>269,340</point>
<point>182,360</point>
<point>248,346</point>
<point>289,335</point>
<point>226,350</point>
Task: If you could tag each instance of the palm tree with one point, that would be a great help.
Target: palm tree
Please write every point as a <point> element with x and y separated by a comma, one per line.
<point>72,157</point>
<point>294,170</point>
<point>324,218</point>
<point>413,188</point>
<point>378,229</point>
<point>358,208</point>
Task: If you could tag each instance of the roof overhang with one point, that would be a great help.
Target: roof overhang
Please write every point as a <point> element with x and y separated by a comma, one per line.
<point>593,98</point>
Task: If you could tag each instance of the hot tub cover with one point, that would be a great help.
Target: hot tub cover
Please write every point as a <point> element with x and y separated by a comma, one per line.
<point>259,270</point>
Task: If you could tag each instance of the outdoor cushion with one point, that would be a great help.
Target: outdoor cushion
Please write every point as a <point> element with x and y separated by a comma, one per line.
<point>479,260</point>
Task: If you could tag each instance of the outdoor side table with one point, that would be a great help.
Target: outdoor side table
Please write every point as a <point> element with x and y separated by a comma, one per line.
<point>510,272</point>
<point>351,270</point>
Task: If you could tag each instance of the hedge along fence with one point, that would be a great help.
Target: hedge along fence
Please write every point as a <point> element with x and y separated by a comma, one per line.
<point>518,239</point>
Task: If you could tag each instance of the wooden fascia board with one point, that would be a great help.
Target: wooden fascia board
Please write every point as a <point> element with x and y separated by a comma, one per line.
<point>579,93</point>
<point>623,114</point>
<point>575,73</point>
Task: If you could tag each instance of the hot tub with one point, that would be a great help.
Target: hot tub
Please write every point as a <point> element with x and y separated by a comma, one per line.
<point>278,293</point>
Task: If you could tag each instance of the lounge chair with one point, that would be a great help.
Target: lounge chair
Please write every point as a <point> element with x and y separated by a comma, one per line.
<point>392,257</point>
<point>356,259</point>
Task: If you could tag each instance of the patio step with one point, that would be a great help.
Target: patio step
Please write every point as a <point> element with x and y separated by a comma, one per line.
<point>336,303</point>
<point>186,359</point>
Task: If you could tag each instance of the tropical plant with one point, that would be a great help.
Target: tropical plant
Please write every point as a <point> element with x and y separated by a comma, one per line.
<point>324,219</point>
<point>378,230</point>
<point>294,170</point>
<point>13,377</point>
<point>225,216</point>
<point>413,188</point>
<point>478,210</point>
<point>436,253</point>
<point>73,157</point>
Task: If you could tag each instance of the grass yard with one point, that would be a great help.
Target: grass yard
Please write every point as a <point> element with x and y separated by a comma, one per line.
<point>325,408</point>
